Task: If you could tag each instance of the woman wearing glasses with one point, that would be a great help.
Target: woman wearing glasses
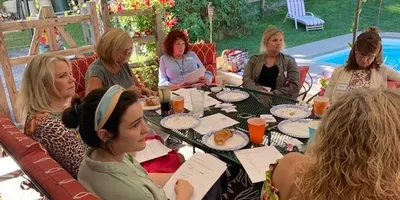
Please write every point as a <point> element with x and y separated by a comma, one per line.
<point>114,49</point>
<point>178,62</point>
<point>364,67</point>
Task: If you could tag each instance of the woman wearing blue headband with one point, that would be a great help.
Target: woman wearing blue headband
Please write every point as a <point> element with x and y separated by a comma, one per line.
<point>111,123</point>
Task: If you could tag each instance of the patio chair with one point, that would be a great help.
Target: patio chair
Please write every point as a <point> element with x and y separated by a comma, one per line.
<point>298,13</point>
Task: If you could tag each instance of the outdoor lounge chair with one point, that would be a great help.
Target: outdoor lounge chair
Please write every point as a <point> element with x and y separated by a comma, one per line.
<point>298,13</point>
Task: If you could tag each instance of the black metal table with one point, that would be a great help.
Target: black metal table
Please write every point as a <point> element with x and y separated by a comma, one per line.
<point>257,103</point>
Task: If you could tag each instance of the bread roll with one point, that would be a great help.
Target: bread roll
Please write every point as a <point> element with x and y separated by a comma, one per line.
<point>220,137</point>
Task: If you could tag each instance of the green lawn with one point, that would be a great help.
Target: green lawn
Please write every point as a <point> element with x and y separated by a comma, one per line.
<point>338,16</point>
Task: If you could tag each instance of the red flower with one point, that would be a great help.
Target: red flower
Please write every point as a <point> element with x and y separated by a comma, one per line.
<point>119,8</point>
<point>138,34</point>
<point>109,8</point>
<point>135,6</point>
<point>147,32</point>
<point>169,24</point>
<point>174,20</point>
<point>147,2</point>
<point>171,3</point>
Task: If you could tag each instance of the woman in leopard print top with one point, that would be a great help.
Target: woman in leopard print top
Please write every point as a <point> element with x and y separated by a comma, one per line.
<point>47,87</point>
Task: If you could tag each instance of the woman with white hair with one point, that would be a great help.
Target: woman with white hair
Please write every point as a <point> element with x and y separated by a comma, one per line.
<point>272,71</point>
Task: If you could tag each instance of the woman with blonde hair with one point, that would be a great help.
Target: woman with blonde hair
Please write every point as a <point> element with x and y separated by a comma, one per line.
<point>355,154</point>
<point>272,71</point>
<point>114,49</point>
<point>46,90</point>
<point>364,67</point>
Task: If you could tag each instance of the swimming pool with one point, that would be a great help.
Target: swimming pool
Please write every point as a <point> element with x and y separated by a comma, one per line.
<point>391,54</point>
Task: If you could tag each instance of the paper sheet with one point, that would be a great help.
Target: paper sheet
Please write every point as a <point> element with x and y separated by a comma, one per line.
<point>214,122</point>
<point>194,76</point>
<point>201,170</point>
<point>256,161</point>
<point>154,149</point>
<point>208,101</point>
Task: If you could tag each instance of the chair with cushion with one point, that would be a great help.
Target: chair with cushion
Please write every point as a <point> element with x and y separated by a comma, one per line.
<point>207,53</point>
<point>306,85</point>
<point>298,13</point>
<point>49,178</point>
<point>79,68</point>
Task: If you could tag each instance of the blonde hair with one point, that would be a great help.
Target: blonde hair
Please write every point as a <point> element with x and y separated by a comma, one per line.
<point>270,32</point>
<point>37,81</point>
<point>113,42</point>
<point>355,155</point>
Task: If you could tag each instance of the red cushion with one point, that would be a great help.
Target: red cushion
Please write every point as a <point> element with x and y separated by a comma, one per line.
<point>52,178</point>
<point>207,54</point>
<point>79,68</point>
<point>17,143</point>
<point>393,84</point>
<point>303,74</point>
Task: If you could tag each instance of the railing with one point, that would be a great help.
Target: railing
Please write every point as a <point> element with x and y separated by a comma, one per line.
<point>46,21</point>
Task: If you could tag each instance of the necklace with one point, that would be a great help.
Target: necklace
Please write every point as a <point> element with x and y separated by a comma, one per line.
<point>181,67</point>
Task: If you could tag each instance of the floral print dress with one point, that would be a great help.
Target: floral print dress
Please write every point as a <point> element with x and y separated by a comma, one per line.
<point>268,191</point>
<point>360,79</point>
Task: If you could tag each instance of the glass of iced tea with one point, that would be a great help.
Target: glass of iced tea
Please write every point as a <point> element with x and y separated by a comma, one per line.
<point>178,104</point>
<point>256,129</point>
<point>320,105</point>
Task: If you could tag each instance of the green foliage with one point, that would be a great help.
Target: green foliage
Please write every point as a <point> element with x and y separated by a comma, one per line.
<point>232,18</point>
<point>148,75</point>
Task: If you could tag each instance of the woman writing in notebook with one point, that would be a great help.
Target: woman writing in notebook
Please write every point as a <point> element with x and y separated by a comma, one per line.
<point>178,62</point>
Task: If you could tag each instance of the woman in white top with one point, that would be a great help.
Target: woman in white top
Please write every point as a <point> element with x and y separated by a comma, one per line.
<point>364,67</point>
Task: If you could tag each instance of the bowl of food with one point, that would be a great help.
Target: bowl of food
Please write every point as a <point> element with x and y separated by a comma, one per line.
<point>150,103</point>
<point>215,89</point>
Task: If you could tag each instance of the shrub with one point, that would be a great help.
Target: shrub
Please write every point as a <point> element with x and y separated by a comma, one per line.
<point>232,18</point>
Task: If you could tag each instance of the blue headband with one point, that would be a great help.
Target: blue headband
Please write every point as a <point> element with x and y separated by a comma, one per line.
<point>106,106</point>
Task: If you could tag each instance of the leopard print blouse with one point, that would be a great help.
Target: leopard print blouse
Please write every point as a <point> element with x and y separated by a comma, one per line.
<point>64,145</point>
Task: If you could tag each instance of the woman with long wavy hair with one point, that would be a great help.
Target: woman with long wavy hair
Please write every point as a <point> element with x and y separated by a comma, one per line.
<point>355,155</point>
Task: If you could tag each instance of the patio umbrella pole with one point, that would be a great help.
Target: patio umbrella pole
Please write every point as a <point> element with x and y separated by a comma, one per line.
<point>356,18</point>
<point>379,13</point>
<point>210,17</point>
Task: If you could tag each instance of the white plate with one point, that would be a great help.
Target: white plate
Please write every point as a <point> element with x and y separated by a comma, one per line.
<point>237,141</point>
<point>180,121</point>
<point>142,102</point>
<point>297,128</point>
<point>290,111</point>
<point>232,95</point>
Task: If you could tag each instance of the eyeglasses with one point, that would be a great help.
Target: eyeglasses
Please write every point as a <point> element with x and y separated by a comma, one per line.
<point>368,56</point>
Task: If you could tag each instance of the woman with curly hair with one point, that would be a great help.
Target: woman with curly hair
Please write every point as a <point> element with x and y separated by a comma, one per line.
<point>355,155</point>
<point>178,61</point>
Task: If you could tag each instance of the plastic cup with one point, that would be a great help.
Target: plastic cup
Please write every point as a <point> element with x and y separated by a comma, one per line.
<point>320,105</point>
<point>256,129</point>
<point>178,104</point>
<point>197,98</point>
<point>312,129</point>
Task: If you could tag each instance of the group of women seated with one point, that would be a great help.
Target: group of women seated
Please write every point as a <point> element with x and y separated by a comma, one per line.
<point>355,154</point>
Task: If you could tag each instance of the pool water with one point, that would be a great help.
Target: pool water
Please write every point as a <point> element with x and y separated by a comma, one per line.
<point>391,55</point>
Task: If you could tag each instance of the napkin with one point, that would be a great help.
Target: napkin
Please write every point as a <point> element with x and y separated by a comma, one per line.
<point>223,105</point>
<point>268,118</point>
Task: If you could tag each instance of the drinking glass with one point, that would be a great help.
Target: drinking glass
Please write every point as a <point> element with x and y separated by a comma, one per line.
<point>165,99</point>
<point>178,104</point>
<point>197,98</point>
<point>320,105</point>
<point>221,81</point>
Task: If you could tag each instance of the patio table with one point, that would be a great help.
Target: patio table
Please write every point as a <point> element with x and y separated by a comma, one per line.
<point>257,103</point>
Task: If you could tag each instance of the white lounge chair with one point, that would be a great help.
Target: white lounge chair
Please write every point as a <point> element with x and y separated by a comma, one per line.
<point>298,13</point>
